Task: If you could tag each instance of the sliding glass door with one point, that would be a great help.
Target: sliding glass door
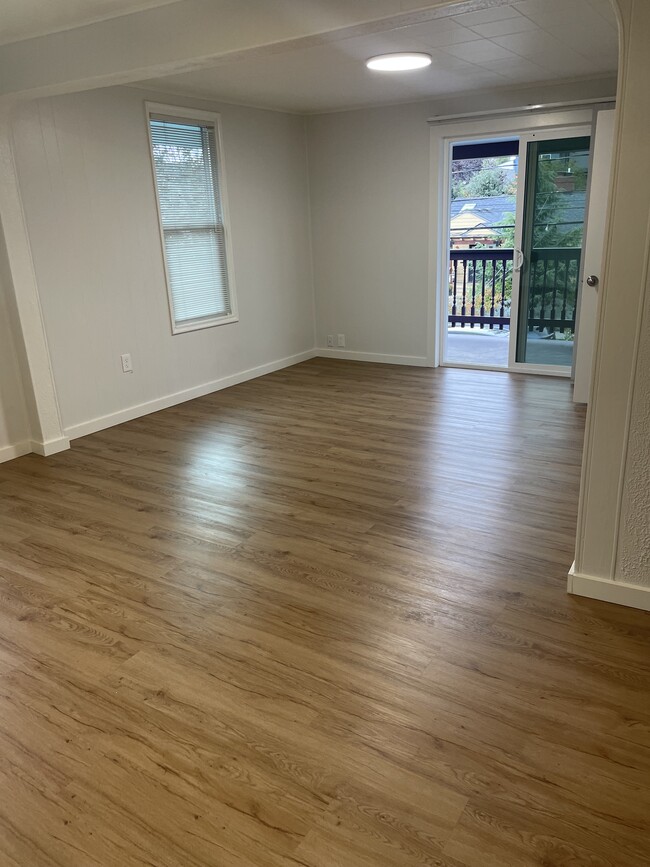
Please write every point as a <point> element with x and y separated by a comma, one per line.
<point>483,202</point>
<point>517,210</point>
<point>552,237</point>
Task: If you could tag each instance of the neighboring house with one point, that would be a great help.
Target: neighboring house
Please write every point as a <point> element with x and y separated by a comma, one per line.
<point>480,221</point>
<point>473,221</point>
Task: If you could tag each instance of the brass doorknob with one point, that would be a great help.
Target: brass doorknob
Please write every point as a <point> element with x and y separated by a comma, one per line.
<point>592,280</point>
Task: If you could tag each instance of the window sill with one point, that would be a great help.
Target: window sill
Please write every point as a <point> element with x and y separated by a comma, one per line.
<point>205,323</point>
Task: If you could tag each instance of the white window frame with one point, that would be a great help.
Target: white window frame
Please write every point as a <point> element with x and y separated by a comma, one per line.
<point>175,112</point>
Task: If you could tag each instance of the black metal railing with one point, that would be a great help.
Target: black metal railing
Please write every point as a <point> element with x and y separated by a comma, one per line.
<point>553,288</point>
<point>480,288</point>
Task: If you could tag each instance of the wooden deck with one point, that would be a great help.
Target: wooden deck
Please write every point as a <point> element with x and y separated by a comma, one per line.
<point>318,620</point>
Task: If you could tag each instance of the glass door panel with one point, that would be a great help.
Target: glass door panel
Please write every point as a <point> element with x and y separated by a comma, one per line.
<point>552,238</point>
<point>482,206</point>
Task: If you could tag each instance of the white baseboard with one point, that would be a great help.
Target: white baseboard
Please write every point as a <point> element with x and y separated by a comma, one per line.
<point>17,450</point>
<point>373,357</point>
<point>50,447</point>
<point>607,590</point>
<point>131,412</point>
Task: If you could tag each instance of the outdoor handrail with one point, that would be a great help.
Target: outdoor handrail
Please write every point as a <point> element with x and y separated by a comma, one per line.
<point>480,287</point>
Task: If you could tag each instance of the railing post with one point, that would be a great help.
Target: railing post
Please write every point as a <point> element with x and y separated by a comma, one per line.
<point>502,309</point>
<point>483,291</point>
<point>455,284</point>
<point>472,308</point>
<point>463,310</point>
<point>531,292</point>
<point>566,290</point>
<point>542,310</point>
<point>556,277</point>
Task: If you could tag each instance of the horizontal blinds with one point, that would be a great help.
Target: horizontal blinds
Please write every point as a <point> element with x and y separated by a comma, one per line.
<point>189,198</point>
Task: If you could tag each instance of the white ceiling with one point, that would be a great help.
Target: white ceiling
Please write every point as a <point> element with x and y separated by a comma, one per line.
<point>22,19</point>
<point>523,42</point>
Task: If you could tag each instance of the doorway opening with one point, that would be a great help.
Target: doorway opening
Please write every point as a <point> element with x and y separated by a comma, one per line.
<point>516,218</point>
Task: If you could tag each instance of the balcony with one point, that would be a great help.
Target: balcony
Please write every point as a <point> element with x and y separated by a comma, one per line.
<point>480,297</point>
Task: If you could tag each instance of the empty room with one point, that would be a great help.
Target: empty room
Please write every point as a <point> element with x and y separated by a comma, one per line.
<point>324,433</point>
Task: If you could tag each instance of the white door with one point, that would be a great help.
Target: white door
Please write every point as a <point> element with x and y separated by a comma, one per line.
<point>603,145</point>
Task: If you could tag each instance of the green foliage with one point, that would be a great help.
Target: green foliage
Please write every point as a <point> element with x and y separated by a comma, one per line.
<point>462,171</point>
<point>507,233</point>
<point>480,178</point>
<point>548,216</point>
<point>485,183</point>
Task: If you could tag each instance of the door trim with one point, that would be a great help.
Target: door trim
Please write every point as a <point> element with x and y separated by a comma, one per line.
<point>442,137</point>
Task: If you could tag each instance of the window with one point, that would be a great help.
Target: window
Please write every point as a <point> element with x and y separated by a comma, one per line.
<point>191,205</point>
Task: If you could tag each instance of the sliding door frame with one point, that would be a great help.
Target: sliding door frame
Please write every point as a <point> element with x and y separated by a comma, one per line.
<point>444,135</point>
<point>525,140</point>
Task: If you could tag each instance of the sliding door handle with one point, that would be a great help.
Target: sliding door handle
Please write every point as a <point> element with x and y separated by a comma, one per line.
<point>518,259</point>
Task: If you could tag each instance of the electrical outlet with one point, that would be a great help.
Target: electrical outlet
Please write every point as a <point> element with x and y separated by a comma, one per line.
<point>341,339</point>
<point>330,340</point>
<point>127,364</point>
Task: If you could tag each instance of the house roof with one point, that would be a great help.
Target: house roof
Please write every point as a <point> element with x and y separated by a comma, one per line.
<point>470,215</point>
<point>478,216</point>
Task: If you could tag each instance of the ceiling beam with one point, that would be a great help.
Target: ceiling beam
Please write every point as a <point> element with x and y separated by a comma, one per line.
<point>195,34</point>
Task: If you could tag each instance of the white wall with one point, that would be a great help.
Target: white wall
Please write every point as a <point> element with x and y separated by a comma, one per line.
<point>613,540</point>
<point>369,175</point>
<point>633,556</point>
<point>370,187</point>
<point>86,184</point>
<point>14,426</point>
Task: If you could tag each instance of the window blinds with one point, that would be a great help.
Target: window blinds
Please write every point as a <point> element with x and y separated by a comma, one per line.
<point>189,199</point>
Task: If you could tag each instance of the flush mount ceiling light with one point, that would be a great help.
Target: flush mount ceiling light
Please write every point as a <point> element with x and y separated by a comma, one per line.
<point>399,61</point>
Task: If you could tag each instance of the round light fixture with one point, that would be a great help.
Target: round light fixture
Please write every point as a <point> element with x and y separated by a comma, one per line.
<point>399,61</point>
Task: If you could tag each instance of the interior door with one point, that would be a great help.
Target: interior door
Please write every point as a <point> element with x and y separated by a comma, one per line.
<point>551,233</point>
<point>593,254</point>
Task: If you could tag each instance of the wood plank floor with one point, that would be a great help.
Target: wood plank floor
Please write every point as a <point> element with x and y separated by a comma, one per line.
<point>318,620</point>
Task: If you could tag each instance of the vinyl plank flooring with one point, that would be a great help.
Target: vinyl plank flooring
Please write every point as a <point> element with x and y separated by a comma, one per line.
<point>318,619</point>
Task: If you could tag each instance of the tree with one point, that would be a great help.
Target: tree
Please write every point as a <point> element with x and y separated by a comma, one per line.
<point>550,225</point>
<point>485,183</point>
<point>461,172</point>
<point>480,178</point>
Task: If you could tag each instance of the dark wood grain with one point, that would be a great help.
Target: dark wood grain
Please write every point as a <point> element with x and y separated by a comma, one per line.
<point>318,620</point>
